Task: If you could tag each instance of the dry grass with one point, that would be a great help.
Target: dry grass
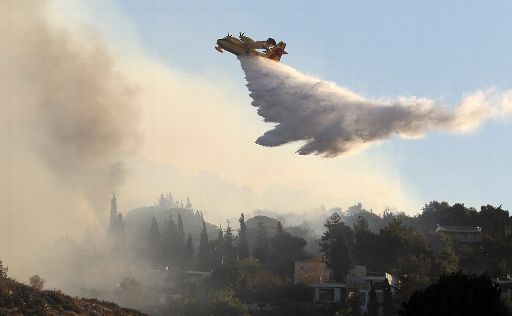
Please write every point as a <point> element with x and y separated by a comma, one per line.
<point>20,299</point>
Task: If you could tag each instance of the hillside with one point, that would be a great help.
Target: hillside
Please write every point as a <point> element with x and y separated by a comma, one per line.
<point>20,299</point>
<point>138,222</point>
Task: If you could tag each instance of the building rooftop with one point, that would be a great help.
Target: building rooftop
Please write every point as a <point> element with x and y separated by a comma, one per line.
<point>329,285</point>
<point>457,229</point>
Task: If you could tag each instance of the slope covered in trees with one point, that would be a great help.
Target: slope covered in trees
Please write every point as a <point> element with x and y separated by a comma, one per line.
<point>139,220</point>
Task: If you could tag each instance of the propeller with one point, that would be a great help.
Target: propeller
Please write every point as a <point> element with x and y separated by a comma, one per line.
<point>271,41</point>
<point>229,35</point>
<point>242,34</point>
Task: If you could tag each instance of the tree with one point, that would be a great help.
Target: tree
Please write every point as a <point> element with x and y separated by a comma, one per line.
<point>355,309</point>
<point>172,242</point>
<point>188,204</point>
<point>224,276</point>
<point>261,251</point>
<point>181,231</point>
<point>284,250</point>
<point>399,241</point>
<point>366,244</point>
<point>229,250</point>
<point>3,270</point>
<point>443,214</point>
<point>414,272</point>
<point>457,294</point>
<point>337,243</point>
<point>203,253</point>
<point>315,271</point>
<point>165,202</point>
<point>279,228</point>
<point>447,261</point>
<point>181,240</point>
<point>188,253</point>
<point>154,242</point>
<point>388,307</point>
<point>243,243</point>
<point>255,276</point>
<point>37,282</point>
<point>494,221</point>
<point>217,249</point>
<point>220,235</point>
<point>225,303</point>
<point>373,303</point>
<point>116,227</point>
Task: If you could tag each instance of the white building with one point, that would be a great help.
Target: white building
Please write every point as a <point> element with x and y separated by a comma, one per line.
<point>358,278</point>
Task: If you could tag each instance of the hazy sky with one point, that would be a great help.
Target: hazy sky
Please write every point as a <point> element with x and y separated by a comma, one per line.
<point>187,111</point>
<point>432,49</point>
<point>437,50</point>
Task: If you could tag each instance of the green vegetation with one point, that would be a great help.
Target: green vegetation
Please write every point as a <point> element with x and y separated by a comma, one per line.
<point>337,244</point>
<point>457,294</point>
<point>252,265</point>
<point>256,266</point>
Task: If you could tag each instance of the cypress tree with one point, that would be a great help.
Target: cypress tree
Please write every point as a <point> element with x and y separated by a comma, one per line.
<point>373,303</point>
<point>337,244</point>
<point>180,244</point>
<point>216,249</point>
<point>220,236</point>
<point>262,249</point>
<point>154,243</point>
<point>171,242</point>
<point>243,243</point>
<point>228,249</point>
<point>279,228</point>
<point>188,253</point>
<point>204,250</point>
<point>181,231</point>
<point>388,308</point>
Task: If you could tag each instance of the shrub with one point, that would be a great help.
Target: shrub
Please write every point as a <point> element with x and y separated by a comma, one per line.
<point>37,282</point>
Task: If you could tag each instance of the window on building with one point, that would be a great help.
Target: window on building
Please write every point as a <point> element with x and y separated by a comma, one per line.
<point>326,295</point>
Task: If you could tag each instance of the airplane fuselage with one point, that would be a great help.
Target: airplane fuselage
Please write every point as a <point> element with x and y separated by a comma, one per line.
<point>246,46</point>
<point>233,45</point>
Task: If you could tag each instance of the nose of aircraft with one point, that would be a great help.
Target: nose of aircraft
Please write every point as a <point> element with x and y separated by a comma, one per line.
<point>219,46</point>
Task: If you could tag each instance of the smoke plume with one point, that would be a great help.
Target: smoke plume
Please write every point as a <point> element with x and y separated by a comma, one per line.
<point>333,120</point>
<point>77,109</point>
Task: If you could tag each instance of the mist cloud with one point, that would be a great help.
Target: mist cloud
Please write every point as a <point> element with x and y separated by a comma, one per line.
<point>333,120</point>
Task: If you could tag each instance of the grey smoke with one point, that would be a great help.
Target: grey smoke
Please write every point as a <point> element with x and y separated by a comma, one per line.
<point>81,119</point>
<point>332,120</point>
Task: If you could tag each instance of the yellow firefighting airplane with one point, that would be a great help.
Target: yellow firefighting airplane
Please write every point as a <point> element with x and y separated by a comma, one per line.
<point>245,45</point>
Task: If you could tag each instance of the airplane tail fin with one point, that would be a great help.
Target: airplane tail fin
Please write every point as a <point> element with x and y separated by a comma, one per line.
<point>277,51</point>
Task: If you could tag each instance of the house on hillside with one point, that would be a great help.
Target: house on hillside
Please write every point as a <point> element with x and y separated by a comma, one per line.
<point>461,234</point>
<point>329,293</point>
<point>358,278</point>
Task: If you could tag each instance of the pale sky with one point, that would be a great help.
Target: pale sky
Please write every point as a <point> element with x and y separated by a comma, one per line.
<point>198,128</point>
<point>432,49</point>
<point>437,50</point>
